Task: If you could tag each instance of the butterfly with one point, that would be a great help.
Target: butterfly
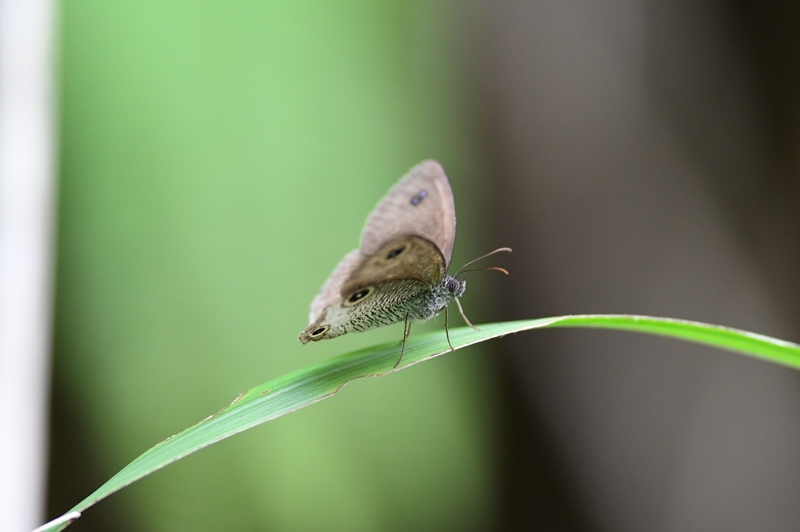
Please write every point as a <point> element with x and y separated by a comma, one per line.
<point>399,272</point>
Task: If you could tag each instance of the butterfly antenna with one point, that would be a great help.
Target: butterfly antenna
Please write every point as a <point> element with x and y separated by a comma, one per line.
<point>493,268</point>
<point>498,250</point>
<point>462,270</point>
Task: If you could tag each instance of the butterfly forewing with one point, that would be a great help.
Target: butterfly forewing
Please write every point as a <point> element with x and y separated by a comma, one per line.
<point>407,257</point>
<point>421,203</point>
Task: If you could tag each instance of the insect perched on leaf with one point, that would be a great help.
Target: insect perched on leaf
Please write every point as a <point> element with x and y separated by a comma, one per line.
<point>400,271</point>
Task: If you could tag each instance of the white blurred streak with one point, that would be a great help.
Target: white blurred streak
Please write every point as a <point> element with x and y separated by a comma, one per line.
<point>27,166</point>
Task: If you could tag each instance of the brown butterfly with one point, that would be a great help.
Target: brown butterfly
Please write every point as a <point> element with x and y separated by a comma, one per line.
<point>400,271</point>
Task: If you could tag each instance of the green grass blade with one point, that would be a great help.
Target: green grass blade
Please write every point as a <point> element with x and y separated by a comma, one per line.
<point>320,381</point>
<point>736,340</point>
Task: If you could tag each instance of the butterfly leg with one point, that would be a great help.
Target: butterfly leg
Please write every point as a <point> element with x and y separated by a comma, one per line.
<point>406,332</point>
<point>461,310</point>
<point>446,328</point>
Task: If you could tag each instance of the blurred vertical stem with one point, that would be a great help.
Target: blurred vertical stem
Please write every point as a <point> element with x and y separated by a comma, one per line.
<point>26,216</point>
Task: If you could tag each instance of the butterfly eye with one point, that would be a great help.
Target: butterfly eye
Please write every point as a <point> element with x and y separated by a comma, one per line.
<point>452,285</point>
<point>395,252</point>
<point>319,331</point>
<point>358,296</point>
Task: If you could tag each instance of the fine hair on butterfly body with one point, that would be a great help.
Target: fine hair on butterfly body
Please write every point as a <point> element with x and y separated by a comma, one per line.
<point>399,273</point>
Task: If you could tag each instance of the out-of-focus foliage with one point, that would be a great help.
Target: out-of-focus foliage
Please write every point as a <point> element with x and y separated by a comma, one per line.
<point>217,161</point>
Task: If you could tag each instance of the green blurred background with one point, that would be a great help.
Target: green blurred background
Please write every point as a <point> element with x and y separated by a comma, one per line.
<point>218,159</point>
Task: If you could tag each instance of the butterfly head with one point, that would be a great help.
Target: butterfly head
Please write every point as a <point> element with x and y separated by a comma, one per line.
<point>455,287</point>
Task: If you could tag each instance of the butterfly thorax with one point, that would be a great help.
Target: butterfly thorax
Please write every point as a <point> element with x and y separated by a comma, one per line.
<point>433,302</point>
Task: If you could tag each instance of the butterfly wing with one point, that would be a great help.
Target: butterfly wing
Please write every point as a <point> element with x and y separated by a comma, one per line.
<point>385,304</point>
<point>365,292</point>
<point>405,258</point>
<point>406,248</point>
<point>331,290</point>
<point>421,203</point>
